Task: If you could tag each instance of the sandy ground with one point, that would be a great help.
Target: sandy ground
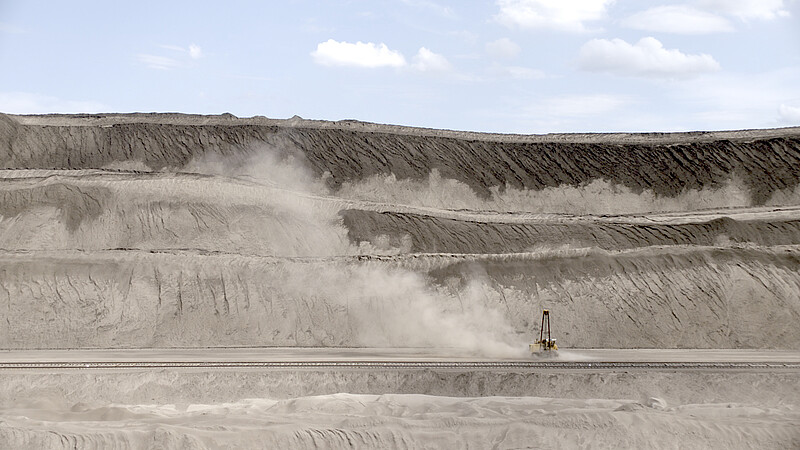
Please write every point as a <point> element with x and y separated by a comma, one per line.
<point>401,421</point>
<point>238,408</point>
<point>284,408</point>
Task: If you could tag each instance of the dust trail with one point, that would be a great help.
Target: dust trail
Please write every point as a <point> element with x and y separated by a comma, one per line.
<point>284,167</point>
<point>387,307</point>
<point>597,197</point>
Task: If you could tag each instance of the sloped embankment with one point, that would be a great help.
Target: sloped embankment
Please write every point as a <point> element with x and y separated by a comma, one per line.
<point>666,164</point>
<point>431,234</point>
<point>115,258</point>
<point>98,210</point>
<point>700,297</point>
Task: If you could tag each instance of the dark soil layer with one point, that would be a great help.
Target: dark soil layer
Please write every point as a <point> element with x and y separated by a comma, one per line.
<point>765,164</point>
<point>431,234</point>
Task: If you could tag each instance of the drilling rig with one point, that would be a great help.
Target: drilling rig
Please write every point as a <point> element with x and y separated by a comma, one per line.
<point>545,345</point>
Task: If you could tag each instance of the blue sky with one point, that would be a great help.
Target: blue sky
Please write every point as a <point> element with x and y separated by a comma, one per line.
<point>521,66</point>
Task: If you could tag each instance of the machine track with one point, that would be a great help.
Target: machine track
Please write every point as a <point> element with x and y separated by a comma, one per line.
<point>405,365</point>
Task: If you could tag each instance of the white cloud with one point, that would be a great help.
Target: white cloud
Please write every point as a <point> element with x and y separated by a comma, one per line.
<point>680,19</point>
<point>158,62</point>
<point>503,48</point>
<point>176,48</point>
<point>704,16</point>
<point>747,9</point>
<point>563,15</point>
<point>647,58</point>
<point>360,54</point>
<point>370,55</point>
<point>167,63</point>
<point>195,52</point>
<point>789,114</point>
<point>428,61</point>
<point>30,103</point>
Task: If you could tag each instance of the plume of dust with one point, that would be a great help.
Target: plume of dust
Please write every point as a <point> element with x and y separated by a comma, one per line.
<point>283,168</point>
<point>785,197</point>
<point>387,306</point>
<point>597,197</point>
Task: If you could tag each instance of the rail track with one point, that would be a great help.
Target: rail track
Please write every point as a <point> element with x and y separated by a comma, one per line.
<point>405,365</point>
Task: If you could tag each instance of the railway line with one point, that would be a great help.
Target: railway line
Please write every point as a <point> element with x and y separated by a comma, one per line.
<point>402,365</point>
<point>319,358</point>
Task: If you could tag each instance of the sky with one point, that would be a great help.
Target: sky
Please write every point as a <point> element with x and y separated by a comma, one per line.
<point>508,66</point>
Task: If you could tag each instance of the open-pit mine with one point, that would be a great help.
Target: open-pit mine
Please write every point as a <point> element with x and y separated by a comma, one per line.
<point>180,281</point>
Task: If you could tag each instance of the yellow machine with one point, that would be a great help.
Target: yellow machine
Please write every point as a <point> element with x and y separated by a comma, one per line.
<point>545,344</point>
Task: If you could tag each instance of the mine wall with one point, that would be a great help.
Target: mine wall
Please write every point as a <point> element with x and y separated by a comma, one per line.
<point>430,234</point>
<point>94,256</point>
<point>672,298</point>
<point>765,165</point>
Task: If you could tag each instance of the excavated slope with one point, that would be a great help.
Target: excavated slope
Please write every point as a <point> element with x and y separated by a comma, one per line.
<point>765,162</point>
<point>95,210</point>
<point>657,297</point>
<point>431,234</point>
<point>95,257</point>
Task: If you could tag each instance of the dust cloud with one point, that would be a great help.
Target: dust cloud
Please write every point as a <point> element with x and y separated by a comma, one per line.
<point>282,168</point>
<point>386,307</point>
<point>598,197</point>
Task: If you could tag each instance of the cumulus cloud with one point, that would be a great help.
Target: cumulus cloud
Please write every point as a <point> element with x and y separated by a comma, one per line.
<point>747,9</point>
<point>503,48</point>
<point>789,114</point>
<point>559,15</point>
<point>370,55</point>
<point>195,52</point>
<point>360,54</point>
<point>680,19</point>
<point>428,61</point>
<point>647,58</point>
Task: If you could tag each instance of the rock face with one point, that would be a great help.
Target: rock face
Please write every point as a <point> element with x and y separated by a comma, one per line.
<point>170,230</point>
